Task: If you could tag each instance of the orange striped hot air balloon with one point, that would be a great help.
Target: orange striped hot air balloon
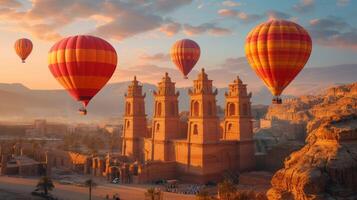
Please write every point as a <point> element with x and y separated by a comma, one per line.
<point>82,64</point>
<point>23,48</point>
<point>277,51</point>
<point>185,54</point>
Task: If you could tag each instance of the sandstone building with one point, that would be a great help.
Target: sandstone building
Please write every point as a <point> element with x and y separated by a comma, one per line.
<point>199,149</point>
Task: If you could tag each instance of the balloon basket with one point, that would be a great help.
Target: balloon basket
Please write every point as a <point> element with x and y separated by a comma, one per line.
<point>23,61</point>
<point>82,111</point>
<point>277,100</point>
<point>185,77</point>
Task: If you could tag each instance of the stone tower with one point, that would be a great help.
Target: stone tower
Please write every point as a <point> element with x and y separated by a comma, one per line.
<point>203,123</point>
<point>238,122</point>
<point>135,126</point>
<point>166,120</point>
<point>238,118</point>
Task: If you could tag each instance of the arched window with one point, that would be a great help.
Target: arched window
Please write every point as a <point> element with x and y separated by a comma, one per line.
<point>229,127</point>
<point>195,129</point>
<point>128,108</point>
<point>157,127</point>
<point>245,109</point>
<point>231,109</point>
<point>127,124</point>
<point>196,109</point>
<point>159,109</point>
<point>209,108</point>
<point>173,108</point>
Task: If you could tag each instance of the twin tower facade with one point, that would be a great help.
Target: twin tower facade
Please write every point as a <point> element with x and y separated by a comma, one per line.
<point>202,147</point>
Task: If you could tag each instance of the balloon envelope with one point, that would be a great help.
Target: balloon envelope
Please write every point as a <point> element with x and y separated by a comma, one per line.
<point>277,51</point>
<point>23,48</point>
<point>185,54</point>
<point>82,64</point>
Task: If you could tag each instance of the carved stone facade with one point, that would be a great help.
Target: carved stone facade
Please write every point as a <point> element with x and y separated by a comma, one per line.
<point>197,150</point>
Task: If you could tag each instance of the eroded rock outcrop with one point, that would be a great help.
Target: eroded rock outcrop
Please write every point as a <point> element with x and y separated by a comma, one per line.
<point>289,120</point>
<point>326,167</point>
<point>335,100</point>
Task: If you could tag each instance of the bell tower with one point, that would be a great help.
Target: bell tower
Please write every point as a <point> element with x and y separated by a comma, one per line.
<point>238,123</point>
<point>166,121</point>
<point>203,123</point>
<point>135,126</point>
<point>238,118</point>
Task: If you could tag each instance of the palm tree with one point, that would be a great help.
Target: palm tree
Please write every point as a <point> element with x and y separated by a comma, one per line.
<point>90,184</point>
<point>45,183</point>
<point>226,190</point>
<point>203,195</point>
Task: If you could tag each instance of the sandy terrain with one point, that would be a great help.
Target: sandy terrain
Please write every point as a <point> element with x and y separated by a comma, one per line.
<point>70,192</point>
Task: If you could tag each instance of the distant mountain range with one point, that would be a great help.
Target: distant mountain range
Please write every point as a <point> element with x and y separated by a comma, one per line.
<point>20,102</point>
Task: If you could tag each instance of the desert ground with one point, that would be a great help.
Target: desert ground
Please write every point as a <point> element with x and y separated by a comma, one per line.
<point>16,186</point>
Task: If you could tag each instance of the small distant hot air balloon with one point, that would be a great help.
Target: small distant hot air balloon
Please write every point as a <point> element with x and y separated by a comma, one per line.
<point>277,51</point>
<point>23,48</point>
<point>82,64</point>
<point>185,54</point>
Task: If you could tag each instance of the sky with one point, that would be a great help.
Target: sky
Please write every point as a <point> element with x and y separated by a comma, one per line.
<point>143,31</point>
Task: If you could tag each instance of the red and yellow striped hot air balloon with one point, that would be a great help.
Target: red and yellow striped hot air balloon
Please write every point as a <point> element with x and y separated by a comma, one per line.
<point>185,54</point>
<point>23,48</point>
<point>277,51</point>
<point>82,64</point>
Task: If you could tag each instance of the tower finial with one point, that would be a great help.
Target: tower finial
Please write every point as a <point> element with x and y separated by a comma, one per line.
<point>134,78</point>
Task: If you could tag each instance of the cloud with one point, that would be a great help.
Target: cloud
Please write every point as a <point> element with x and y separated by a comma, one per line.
<point>342,2</point>
<point>117,20</point>
<point>155,57</point>
<point>231,3</point>
<point>334,32</point>
<point>171,28</point>
<point>273,14</point>
<point>250,18</point>
<point>242,16</point>
<point>304,6</point>
<point>120,29</point>
<point>210,28</point>
<point>10,3</point>
<point>166,6</point>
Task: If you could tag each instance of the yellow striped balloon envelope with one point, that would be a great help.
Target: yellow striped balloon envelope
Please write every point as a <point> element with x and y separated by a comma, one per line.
<point>82,64</point>
<point>23,48</point>
<point>277,51</point>
<point>185,54</point>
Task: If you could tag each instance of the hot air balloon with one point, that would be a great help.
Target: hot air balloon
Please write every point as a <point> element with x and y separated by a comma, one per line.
<point>23,48</point>
<point>82,64</point>
<point>277,51</point>
<point>185,54</point>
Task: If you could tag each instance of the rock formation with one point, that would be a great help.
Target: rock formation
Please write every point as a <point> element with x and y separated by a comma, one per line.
<point>326,167</point>
<point>289,120</point>
<point>305,108</point>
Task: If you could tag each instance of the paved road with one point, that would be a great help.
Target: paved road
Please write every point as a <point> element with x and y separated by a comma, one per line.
<point>70,192</point>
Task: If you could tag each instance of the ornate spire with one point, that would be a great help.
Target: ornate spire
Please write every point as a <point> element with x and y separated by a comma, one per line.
<point>166,86</point>
<point>202,85</point>
<point>135,89</point>
<point>237,88</point>
<point>202,75</point>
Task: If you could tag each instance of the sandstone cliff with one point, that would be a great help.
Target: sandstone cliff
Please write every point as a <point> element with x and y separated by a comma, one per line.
<point>305,108</point>
<point>326,167</point>
<point>289,120</point>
